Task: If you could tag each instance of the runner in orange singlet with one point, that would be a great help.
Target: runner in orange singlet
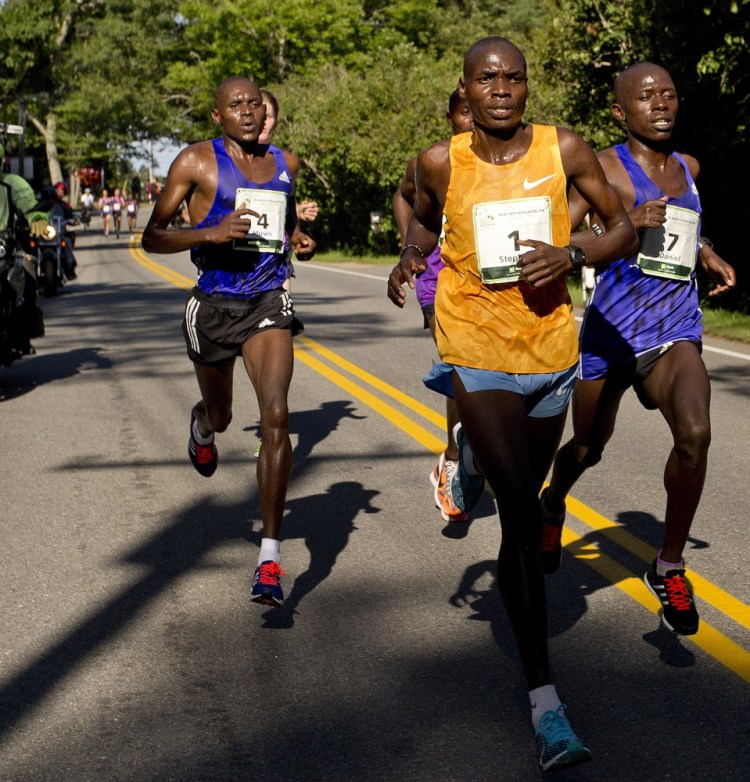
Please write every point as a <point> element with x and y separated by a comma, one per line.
<point>505,330</point>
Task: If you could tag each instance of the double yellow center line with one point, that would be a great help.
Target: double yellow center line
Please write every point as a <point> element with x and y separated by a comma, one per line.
<point>361,385</point>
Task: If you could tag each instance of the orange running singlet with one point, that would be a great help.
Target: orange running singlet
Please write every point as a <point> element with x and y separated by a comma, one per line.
<point>509,327</point>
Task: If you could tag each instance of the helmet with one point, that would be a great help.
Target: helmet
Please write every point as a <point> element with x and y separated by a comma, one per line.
<point>61,186</point>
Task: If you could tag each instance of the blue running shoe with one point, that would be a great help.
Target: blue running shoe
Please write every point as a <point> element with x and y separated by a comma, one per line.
<point>558,746</point>
<point>266,584</point>
<point>465,489</point>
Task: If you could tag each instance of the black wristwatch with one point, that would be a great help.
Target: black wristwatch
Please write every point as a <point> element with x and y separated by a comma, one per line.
<point>577,256</point>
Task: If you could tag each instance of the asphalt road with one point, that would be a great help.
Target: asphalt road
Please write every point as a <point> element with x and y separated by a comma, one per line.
<point>128,645</point>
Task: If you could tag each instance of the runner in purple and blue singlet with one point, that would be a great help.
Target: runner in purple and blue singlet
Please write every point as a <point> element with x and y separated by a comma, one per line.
<point>643,328</point>
<point>222,269</point>
<point>632,312</point>
<point>240,201</point>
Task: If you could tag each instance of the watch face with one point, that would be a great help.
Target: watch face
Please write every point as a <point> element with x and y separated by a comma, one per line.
<point>577,256</point>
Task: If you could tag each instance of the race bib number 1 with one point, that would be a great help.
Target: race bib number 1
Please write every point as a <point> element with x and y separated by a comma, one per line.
<point>265,222</point>
<point>498,225</point>
<point>670,250</point>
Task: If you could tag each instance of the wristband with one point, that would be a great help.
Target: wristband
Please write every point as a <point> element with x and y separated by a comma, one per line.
<point>415,246</point>
<point>704,241</point>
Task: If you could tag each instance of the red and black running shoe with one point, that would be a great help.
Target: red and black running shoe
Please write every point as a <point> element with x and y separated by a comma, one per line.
<point>205,458</point>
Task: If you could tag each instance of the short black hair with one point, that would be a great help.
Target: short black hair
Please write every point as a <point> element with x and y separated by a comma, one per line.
<point>453,101</point>
<point>622,80</point>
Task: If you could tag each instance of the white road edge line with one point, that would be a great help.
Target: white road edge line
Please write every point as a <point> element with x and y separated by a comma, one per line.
<point>730,353</point>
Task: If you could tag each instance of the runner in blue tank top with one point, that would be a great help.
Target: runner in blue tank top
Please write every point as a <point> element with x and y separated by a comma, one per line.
<point>240,197</point>
<point>643,328</point>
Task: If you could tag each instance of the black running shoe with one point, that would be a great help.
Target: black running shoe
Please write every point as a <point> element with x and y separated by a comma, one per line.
<point>678,609</point>
<point>205,458</point>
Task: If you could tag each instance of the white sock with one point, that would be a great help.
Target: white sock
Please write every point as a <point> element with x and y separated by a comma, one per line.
<point>543,699</point>
<point>663,567</point>
<point>199,438</point>
<point>269,549</point>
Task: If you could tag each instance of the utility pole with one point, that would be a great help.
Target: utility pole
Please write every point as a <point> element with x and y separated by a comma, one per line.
<point>21,149</point>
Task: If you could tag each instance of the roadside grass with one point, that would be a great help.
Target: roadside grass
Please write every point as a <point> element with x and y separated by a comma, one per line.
<point>717,322</point>
<point>339,256</point>
<point>726,324</point>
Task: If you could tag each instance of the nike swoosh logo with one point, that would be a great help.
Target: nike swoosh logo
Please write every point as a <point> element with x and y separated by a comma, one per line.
<point>531,185</point>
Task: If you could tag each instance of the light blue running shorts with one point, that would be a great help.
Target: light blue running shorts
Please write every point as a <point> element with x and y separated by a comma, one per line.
<point>546,394</point>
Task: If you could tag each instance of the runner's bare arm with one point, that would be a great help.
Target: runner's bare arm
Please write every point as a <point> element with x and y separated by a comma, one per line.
<point>303,245</point>
<point>403,199</point>
<point>544,263</point>
<point>186,177</point>
<point>432,175</point>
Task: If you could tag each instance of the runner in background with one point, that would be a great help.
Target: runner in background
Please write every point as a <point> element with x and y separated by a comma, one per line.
<point>459,120</point>
<point>131,210</point>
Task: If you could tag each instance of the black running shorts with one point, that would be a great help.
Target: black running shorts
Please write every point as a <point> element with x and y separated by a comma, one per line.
<point>636,371</point>
<point>216,327</point>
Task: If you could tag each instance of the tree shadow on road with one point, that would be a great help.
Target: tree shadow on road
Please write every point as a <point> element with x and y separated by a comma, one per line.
<point>323,520</point>
<point>26,374</point>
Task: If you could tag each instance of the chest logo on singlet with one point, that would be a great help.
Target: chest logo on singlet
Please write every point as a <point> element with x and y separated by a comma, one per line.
<point>531,185</point>
<point>284,177</point>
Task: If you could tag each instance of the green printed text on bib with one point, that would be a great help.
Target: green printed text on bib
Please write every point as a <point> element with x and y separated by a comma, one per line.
<point>265,222</point>
<point>670,250</point>
<point>498,225</point>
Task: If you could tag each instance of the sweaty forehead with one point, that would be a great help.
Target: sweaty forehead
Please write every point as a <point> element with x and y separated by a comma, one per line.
<point>236,88</point>
<point>494,55</point>
<point>641,77</point>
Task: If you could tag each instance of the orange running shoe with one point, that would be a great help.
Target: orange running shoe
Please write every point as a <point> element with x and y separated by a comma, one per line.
<point>441,478</point>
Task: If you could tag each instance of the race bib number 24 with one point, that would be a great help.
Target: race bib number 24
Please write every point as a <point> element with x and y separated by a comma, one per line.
<point>265,222</point>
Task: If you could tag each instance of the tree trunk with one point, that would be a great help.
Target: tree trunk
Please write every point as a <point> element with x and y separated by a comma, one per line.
<point>49,133</point>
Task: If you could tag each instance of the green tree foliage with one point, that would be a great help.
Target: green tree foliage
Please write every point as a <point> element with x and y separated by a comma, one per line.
<point>363,86</point>
<point>265,40</point>
<point>356,134</point>
<point>81,67</point>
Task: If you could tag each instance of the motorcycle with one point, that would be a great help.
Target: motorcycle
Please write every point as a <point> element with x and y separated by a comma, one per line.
<point>86,217</point>
<point>21,319</point>
<point>50,250</point>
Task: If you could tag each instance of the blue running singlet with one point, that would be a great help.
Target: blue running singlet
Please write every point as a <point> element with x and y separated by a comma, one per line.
<point>631,312</point>
<point>222,269</point>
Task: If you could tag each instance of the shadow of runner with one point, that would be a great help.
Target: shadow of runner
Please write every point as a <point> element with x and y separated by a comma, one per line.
<point>324,522</point>
<point>313,426</point>
<point>177,550</point>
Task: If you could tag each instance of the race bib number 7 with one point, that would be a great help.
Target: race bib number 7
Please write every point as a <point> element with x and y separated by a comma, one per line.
<point>670,250</point>
<point>498,225</point>
<point>266,221</point>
